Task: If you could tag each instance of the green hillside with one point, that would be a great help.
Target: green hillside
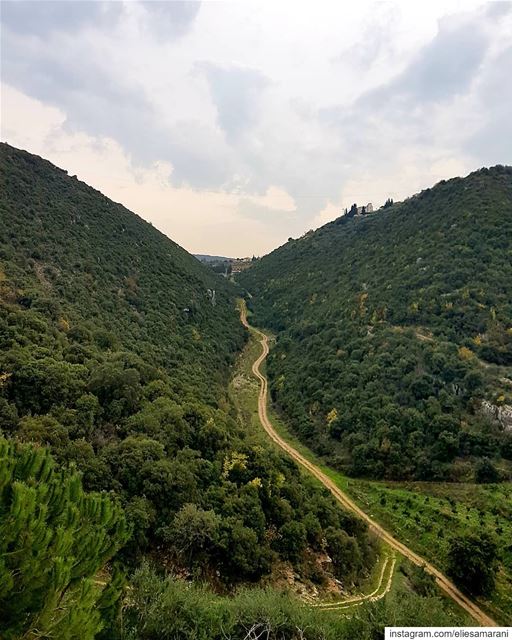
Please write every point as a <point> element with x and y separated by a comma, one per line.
<point>107,277</point>
<point>116,347</point>
<point>393,327</point>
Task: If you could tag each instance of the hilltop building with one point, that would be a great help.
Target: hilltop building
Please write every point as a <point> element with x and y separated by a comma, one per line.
<point>364,210</point>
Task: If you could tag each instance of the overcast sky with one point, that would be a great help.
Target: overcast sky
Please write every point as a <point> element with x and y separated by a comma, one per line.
<point>232,126</point>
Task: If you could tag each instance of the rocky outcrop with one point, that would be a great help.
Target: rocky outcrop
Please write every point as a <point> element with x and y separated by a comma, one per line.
<point>501,414</point>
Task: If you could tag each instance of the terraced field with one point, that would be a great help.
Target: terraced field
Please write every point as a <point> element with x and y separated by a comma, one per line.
<point>425,515</point>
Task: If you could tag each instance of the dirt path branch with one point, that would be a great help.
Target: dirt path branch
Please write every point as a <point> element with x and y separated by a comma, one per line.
<point>355,601</point>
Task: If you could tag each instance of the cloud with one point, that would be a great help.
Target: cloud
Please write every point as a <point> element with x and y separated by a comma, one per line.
<point>375,39</point>
<point>441,70</point>
<point>166,19</point>
<point>446,66</point>
<point>39,18</point>
<point>421,124</point>
<point>492,142</point>
<point>236,92</point>
<point>328,213</point>
<point>193,218</point>
<point>170,19</point>
<point>68,71</point>
<point>275,201</point>
<point>97,98</point>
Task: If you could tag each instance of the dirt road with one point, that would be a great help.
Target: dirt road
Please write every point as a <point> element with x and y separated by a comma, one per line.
<point>443,582</point>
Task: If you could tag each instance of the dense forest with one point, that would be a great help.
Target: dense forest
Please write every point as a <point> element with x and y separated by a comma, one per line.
<point>393,354</point>
<point>115,350</point>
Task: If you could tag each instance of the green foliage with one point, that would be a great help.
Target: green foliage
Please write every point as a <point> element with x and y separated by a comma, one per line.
<point>344,552</point>
<point>193,532</point>
<point>486,472</point>
<point>472,563</point>
<point>115,350</point>
<point>165,608</point>
<point>292,539</point>
<point>420,581</point>
<point>54,538</point>
<point>105,299</point>
<point>393,327</point>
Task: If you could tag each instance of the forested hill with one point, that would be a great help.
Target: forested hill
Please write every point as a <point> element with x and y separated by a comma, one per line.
<point>393,327</point>
<point>102,273</point>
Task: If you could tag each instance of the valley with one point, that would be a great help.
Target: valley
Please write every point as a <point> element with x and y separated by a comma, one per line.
<point>255,320</point>
<point>347,303</point>
<point>133,392</point>
<point>116,351</point>
<point>389,371</point>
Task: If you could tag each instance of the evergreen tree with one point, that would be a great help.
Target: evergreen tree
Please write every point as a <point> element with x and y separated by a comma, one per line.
<point>54,538</point>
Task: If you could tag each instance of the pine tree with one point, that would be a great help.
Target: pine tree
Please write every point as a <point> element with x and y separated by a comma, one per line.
<point>54,538</point>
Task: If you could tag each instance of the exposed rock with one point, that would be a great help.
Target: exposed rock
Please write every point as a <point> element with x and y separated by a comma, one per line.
<point>501,414</point>
<point>212,295</point>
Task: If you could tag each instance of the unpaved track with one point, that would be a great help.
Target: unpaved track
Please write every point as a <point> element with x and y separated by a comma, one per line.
<point>356,601</point>
<point>443,582</point>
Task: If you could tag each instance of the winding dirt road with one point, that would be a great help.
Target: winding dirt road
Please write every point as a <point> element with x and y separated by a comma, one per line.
<point>442,581</point>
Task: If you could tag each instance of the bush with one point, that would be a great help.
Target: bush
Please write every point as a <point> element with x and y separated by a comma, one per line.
<point>473,563</point>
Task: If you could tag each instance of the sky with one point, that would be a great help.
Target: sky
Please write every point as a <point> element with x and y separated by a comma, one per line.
<point>231,126</point>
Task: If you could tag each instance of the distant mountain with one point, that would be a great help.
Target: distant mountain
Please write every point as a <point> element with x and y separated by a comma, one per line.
<point>394,333</point>
<point>206,258</point>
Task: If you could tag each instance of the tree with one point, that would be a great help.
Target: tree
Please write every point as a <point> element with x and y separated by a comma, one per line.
<point>194,532</point>
<point>473,563</point>
<point>54,538</point>
<point>344,552</point>
<point>242,555</point>
<point>473,380</point>
<point>117,389</point>
<point>38,384</point>
<point>486,472</point>
<point>292,539</point>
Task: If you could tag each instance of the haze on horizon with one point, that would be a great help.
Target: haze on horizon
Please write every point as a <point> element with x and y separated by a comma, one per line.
<point>231,126</point>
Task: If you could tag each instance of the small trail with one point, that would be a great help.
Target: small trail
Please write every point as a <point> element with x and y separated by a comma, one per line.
<point>370,598</point>
<point>356,601</point>
<point>444,583</point>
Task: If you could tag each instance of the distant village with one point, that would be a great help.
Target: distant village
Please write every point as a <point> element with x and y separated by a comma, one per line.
<point>241,264</point>
<point>226,266</point>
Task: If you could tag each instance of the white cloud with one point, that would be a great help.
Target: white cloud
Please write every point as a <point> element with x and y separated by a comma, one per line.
<point>276,199</point>
<point>329,212</point>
